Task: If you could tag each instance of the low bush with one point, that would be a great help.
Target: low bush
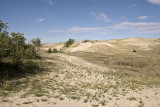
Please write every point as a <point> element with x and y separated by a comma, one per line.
<point>85,41</point>
<point>49,50</point>
<point>55,51</point>
<point>52,51</point>
<point>134,50</point>
<point>69,42</point>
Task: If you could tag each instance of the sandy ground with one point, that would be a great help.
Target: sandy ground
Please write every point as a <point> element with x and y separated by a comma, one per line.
<point>88,45</point>
<point>80,71</point>
<point>149,96</point>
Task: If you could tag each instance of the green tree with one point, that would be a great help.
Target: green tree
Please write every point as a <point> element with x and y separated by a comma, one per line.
<point>3,25</point>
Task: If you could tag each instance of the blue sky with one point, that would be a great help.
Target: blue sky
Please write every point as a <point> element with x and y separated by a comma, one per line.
<point>58,20</point>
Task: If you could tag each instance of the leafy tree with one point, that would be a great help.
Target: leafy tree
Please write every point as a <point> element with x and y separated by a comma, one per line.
<point>3,25</point>
<point>36,42</point>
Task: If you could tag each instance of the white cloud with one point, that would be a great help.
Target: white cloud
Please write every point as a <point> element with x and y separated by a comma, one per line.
<point>85,29</point>
<point>55,31</point>
<point>142,17</point>
<point>48,1</point>
<point>101,16</point>
<point>138,27</point>
<point>40,20</point>
<point>128,27</point>
<point>157,2</point>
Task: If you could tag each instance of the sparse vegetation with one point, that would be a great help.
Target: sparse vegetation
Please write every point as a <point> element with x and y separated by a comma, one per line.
<point>85,41</point>
<point>141,103</point>
<point>52,51</point>
<point>55,51</point>
<point>134,50</point>
<point>103,103</point>
<point>61,98</point>
<point>85,101</point>
<point>27,102</point>
<point>131,99</point>
<point>49,50</point>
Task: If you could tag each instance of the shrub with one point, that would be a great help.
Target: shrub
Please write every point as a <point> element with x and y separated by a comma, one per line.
<point>55,50</point>
<point>49,50</point>
<point>69,42</point>
<point>85,41</point>
<point>18,47</point>
<point>36,45</point>
<point>134,50</point>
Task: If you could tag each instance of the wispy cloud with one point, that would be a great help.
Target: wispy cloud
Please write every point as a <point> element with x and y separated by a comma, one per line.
<point>100,16</point>
<point>138,27</point>
<point>157,2</point>
<point>142,17</point>
<point>55,31</point>
<point>39,20</point>
<point>48,1</point>
<point>85,29</point>
<point>128,27</point>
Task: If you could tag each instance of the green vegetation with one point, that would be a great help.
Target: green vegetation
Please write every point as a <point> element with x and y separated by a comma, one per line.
<point>52,51</point>
<point>69,42</point>
<point>61,98</point>
<point>49,50</point>
<point>55,51</point>
<point>134,50</point>
<point>132,99</point>
<point>85,41</point>
<point>15,54</point>
<point>27,102</point>
<point>103,103</point>
<point>141,103</point>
